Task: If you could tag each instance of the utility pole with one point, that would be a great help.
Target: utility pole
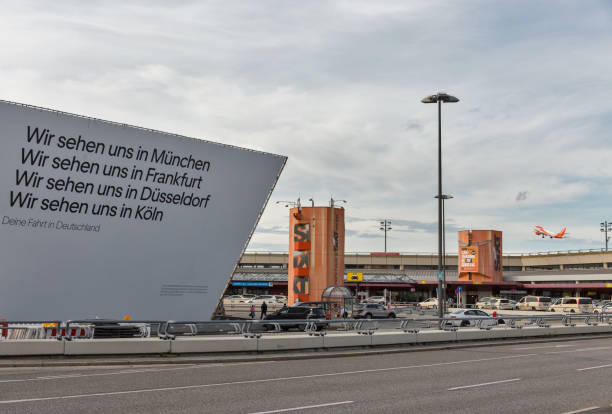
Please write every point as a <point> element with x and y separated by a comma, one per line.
<point>385,225</point>
<point>606,228</point>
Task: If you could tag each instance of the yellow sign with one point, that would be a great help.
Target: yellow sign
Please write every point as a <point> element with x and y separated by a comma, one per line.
<point>422,282</point>
<point>354,277</point>
<point>609,285</point>
<point>477,283</point>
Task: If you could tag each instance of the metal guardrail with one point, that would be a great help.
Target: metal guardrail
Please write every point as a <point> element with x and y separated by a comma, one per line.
<point>169,330</point>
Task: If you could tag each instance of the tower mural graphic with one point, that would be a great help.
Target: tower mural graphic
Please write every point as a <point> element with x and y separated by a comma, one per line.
<point>480,255</point>
<point>316,251</point>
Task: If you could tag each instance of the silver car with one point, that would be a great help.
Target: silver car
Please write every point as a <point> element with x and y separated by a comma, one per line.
<point>471,317</point>
<point>372,310</point>
<point>501,304</point>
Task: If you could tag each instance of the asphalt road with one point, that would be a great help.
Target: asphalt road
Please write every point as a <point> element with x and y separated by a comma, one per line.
<point>545,377</point>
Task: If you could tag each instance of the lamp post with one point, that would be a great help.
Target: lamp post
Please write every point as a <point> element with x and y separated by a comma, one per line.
<point>606,228</point>
<point>386,226</point>
<point>439,98</point>
<point>444,197</point>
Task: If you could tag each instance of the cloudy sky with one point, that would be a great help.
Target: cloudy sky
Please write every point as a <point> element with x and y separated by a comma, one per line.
<point>336,86</point>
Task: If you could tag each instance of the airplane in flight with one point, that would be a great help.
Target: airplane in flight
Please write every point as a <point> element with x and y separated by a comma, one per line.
<point>541,231</point>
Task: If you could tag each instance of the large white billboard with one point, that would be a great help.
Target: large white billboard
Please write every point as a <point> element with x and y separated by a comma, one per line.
<point>100,219</point>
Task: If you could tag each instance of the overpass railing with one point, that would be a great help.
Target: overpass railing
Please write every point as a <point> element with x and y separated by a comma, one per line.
<point>255,328</point>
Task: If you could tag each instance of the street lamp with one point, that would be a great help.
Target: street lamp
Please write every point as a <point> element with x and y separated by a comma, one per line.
<point>386,226</point>
<point>439,98</point>
<point>606,228</point>
<point>444,197</point>
<point>293,204</point>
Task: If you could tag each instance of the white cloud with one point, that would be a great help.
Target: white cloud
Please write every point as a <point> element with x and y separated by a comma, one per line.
<point>336,86</point>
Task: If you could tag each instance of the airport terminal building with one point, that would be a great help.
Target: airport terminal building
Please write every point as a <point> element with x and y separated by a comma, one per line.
<point>410,277</point>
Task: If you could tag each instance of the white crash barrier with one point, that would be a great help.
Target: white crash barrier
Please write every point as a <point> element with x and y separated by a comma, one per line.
<point>214,344</point>
<point>129,346</point>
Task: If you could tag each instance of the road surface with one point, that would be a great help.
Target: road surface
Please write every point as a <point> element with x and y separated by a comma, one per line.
<point>544,377</point>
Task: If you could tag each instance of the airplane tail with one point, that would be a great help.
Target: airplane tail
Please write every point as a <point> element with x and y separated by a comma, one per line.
<point>561,234</point>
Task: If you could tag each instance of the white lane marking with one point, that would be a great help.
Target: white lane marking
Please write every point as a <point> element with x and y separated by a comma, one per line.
<point>581,411</point>
<point>600,348</point>
<point>305,407</point>
<point>483,384</point>
<point>220,384</point>
<point>599,366</point>
<point>132,371</point>
<point>547,346</point>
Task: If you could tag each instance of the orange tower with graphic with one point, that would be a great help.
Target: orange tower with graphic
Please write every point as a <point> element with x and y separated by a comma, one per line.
<point>316,251</point>
<point>480,255</point>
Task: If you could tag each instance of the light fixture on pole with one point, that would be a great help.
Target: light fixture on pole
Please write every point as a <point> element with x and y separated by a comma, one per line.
<point>439,98</point>
<point>606,228</point>
<point>293,204</point>
<point>385,225</point>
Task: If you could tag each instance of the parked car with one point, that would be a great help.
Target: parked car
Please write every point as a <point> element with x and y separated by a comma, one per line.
<point>501,304</point>
<point>296,313</point>
<point>431,303</point>
<point>471,317</point>
<point>372,310</point>
<point>600,304</point>
<point>281,298</point>
<point>573,305</point>
<point>234,299</point>
<point>258,300</point>
<point>534,303</point>
<point>376,299</point>
<point>483,303</point>
<point>606,310</point>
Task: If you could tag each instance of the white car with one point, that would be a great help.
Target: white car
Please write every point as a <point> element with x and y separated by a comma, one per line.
<point>375,299</point>
<point>501,304</point>
<point>258,300</point>
<point>431,303</point>
<point>281,298</point>
<point>234,299</point>
<point>471,317</point>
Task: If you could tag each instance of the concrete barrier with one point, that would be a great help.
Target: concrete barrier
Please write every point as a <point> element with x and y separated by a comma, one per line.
<point>31,347</point>
<point>346,339</point>
<point>212,344</point>
<point>474,334</point>
<point>425,337</point>
<point>276,342</point>
<point>129,346</point>
<point>393,338</point>
<point>284,342</point>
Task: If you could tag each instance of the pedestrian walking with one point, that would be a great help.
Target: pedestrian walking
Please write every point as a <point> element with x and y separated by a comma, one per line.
<point>264,309</point>
<point>252,312</point>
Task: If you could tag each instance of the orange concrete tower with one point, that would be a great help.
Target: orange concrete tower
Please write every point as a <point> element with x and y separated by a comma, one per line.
<point>316,251</point>
<point>480,255</point>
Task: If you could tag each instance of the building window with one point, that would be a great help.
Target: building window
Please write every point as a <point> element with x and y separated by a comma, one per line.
<point>577,266</point>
